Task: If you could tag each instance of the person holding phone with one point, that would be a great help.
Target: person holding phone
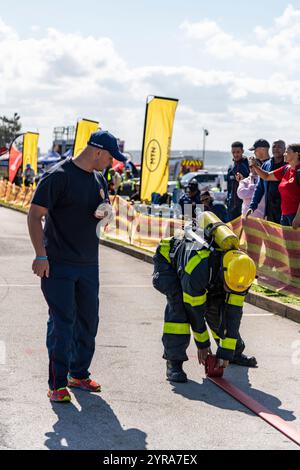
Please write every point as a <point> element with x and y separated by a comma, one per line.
<point>289,187</point>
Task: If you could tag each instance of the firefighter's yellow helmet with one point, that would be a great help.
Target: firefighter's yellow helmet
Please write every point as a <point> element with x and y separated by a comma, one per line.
<point>239,271</point>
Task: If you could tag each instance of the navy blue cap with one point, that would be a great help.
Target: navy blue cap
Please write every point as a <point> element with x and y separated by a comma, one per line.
<point>260,143</point>
<point>106,141</point>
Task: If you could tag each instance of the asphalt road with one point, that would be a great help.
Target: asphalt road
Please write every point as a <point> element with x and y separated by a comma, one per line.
<point>138,408</point>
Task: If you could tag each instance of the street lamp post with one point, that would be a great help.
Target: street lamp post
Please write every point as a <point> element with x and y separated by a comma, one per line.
<point>205,134</point>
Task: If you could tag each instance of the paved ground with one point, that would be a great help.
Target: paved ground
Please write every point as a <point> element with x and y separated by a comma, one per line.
<point>138,409</point>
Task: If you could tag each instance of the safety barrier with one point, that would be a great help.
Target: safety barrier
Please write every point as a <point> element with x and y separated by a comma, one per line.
<point>18,196</point>
<point>137,229</point>
<point>275,249</point>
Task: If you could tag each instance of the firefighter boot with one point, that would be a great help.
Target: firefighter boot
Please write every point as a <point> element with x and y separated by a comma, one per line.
<point>175,373</point>
<point>244,361</point>
<point>241,359</point>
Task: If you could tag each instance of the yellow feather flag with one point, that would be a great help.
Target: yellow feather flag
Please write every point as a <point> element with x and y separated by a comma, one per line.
<point>159,120</point>
<point>30,151</point>
<point>85,127</point>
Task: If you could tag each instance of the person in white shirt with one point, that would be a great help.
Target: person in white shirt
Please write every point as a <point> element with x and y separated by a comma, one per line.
<point>246,191</point>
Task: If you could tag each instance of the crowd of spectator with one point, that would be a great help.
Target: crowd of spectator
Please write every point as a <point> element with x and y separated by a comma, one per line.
<point>265,186</point>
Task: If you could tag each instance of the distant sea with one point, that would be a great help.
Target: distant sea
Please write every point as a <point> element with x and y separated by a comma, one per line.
<point>213,159</point>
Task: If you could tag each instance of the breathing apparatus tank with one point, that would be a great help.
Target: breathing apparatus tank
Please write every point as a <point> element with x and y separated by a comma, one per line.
<point>218,232</point>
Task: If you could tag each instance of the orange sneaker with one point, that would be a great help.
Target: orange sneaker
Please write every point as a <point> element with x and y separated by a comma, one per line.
<point>60,395</point>
<point>84,384</point>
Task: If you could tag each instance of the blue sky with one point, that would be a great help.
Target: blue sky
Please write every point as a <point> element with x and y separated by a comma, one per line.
<point>144,31</point>
<point>233,65</point>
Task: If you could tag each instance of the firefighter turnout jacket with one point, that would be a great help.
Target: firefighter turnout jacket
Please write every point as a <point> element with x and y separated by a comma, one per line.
<point>191,279</point>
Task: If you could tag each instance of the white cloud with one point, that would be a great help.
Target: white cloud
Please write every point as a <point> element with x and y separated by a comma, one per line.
<point>281,42</point>
<point>6,32</point>
<point>289,17</point>
<point>53,78</point>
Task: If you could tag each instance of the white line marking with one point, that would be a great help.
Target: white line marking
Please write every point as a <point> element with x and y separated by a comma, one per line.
<point>2,353</point>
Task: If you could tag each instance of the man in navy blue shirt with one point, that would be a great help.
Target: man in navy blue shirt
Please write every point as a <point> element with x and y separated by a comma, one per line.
<point>69,196</point>
<point>239,167</point>
<point>270,189</point>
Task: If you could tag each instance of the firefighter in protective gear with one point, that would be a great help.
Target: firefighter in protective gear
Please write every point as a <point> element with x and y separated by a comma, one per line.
<point>203,287</point>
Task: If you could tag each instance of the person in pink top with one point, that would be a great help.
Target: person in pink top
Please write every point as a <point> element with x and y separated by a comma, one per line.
<point>246,191</point>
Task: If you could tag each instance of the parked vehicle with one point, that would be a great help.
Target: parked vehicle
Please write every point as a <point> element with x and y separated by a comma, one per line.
<point>206,180</point>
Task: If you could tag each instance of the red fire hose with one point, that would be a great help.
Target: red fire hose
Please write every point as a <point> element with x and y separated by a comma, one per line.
<point>215,375</point>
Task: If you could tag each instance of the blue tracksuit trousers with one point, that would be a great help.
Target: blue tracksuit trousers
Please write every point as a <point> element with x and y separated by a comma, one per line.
<point>71,292</point>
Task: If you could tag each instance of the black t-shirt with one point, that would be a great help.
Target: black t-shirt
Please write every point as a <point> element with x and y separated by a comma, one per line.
<point>71,196</point>
<point>241,166</point>
<point>273,191</point>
